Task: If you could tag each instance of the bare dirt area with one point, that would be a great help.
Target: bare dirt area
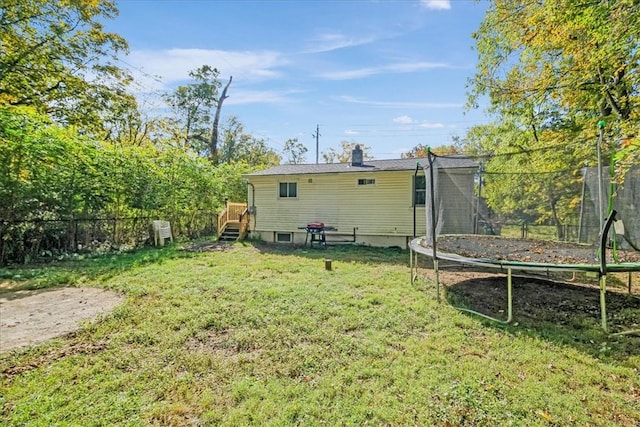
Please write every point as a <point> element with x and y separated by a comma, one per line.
<point>540,299</point>
<point>561,298</point>
<point>33,317</point>
<point>210,247</point>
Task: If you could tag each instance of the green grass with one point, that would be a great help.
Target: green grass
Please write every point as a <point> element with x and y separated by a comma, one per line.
<point>258,335</point>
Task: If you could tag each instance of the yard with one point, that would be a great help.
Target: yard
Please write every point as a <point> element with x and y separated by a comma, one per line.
<point>249,334</point>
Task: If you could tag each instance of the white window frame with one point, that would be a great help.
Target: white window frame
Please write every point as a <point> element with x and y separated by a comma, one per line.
<point>288,195</point>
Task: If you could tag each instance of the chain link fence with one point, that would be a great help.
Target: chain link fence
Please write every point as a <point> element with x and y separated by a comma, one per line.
<point>29,240</point>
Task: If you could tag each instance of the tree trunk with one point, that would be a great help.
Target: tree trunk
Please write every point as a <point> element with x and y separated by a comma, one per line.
<point>213,145</point>
<point>554,218</point>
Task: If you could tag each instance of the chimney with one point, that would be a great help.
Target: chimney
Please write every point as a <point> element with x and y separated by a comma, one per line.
<point>356,156</point>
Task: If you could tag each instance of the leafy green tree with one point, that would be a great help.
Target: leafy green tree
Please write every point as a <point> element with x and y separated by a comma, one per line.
<point>421,150</point>
<point>238,146</point>
<point>192,105</point>
<point>51,174</point>
<point>525,179</point>
<point>295,151</point>
<point>56,57</point>
<point>563,66</point>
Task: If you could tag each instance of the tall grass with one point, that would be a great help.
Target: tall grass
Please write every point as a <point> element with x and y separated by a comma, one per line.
<point>256,335</point>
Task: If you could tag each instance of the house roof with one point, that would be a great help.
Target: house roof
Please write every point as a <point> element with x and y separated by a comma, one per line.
<point>449,162</point>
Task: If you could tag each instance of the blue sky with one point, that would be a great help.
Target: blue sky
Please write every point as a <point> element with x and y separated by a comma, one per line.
<point>386,74</point>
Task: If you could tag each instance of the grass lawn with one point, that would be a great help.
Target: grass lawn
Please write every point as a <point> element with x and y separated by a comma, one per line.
<point>264,335</point>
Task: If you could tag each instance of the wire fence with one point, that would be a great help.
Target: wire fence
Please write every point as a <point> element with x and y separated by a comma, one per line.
<point>27,240</point>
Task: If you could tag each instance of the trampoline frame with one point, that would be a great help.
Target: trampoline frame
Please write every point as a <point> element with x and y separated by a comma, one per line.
<point>416,247</point>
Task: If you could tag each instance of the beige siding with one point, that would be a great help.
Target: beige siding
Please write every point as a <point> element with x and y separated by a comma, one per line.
<point>382,209</point>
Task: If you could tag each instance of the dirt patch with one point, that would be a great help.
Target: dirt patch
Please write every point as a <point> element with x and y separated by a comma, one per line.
<point>557,297</point>
<point>210,247</point>
<point>563,303</point>
<point>33,317</point>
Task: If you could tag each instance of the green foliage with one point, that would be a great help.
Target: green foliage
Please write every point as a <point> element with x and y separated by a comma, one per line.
<point>240,147</point>
<point>526,178</point>
<point>192,105</point>
<point>551,71</point>
<point>422,150</point>
<point>48,51</point>
<point>295,151</point>
<point>50,173</point>
<point>563,66</point>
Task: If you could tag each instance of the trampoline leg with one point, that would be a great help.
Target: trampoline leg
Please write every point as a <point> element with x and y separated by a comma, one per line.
<point>509,297</point>
<point>603,302</point>
<point>411,265</point>
<point>435,269</point>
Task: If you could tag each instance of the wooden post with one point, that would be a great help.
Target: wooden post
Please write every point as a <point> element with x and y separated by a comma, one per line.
<point>327,264</point>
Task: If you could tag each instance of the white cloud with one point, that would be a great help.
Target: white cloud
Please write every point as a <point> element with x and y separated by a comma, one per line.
<point>351,132</point>
<point>431,125</point>
<point>333,41</point>
<point>157,68</point>
<point>436,4</point>
<point>403,120</point>
<point>408,67</point>
<point>391,104</point>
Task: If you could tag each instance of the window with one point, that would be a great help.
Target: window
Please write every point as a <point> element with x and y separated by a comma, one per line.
<point>288,189</point>
<point>366,181</point>
<point>419,190</point>
<point>283,238</point>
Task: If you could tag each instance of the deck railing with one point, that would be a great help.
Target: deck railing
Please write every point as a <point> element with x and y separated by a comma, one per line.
<point>233,213</point>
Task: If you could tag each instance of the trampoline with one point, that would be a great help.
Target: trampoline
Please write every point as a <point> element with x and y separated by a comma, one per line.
<point>493,260</point>
<point>451,209</point>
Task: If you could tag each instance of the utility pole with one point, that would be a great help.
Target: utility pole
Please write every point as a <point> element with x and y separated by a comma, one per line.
<point>317,137</point>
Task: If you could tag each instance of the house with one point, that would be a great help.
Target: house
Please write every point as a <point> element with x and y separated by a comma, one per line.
<point>371,202</point>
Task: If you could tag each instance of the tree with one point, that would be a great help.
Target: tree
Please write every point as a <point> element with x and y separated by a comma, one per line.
<point>239,146</point>
<point>295,151</point>
<point>192,104</point>
<point>421,150</point>
<point>56,57</point>
<point>333,156</point>
<point>213,143</point>
<point>525,179</point>
<point>563,66</point>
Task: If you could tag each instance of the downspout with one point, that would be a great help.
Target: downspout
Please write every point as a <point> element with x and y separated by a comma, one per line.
<point>252,207</point>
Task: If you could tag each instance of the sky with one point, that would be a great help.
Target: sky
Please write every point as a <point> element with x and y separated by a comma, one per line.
<point>386,74</point>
